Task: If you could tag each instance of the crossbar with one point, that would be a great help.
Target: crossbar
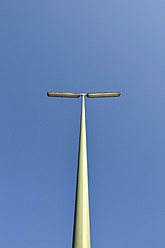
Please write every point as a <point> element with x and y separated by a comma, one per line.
<point>89,95</point>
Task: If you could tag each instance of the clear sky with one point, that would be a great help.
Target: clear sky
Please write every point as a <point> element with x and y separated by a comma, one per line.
<point>82,46</point>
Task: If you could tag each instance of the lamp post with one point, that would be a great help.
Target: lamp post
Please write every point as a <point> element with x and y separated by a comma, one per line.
<point>81,230</point>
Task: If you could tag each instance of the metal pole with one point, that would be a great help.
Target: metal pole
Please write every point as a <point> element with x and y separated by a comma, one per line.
<point>81,231</point>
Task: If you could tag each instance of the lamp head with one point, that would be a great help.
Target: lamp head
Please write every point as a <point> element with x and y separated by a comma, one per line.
<point>89,95</point>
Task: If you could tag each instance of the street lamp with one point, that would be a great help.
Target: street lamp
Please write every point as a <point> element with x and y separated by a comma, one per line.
<point>81,230</point>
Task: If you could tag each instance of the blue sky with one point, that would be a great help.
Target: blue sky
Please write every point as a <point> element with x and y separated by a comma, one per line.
<point>82,46</point>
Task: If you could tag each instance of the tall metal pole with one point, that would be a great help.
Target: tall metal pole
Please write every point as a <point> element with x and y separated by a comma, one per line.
<point>81,230</point>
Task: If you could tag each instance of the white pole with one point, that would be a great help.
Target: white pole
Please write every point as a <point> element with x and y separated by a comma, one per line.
<point>81,232</point>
